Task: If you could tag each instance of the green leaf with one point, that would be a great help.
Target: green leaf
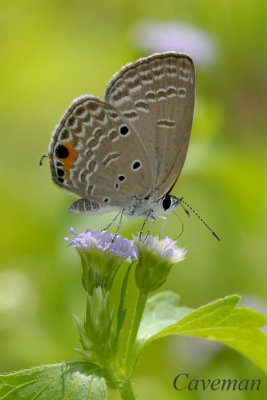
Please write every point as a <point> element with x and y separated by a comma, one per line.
<point>161,311</point>
<point>64,381</point>
<point>221,321</point>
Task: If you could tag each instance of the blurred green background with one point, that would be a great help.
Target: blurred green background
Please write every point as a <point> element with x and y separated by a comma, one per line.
<point>54,51</point>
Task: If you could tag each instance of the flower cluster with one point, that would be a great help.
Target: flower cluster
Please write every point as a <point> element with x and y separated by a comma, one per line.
<point>102,253</point>
<point>104,241</point>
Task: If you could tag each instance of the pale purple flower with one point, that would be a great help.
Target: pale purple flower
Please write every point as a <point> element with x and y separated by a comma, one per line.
<point>156,37</point>
<point>104,241</point>
<point>156,258</point>
<point>165,248</point>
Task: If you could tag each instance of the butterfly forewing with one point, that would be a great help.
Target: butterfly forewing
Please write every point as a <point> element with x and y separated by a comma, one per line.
<point>98,156</point>
<point>156,96</point>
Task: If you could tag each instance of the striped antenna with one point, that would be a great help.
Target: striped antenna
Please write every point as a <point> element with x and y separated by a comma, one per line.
<point>182,202</point>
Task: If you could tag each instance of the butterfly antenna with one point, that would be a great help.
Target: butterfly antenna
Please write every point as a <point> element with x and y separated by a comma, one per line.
<point>181,201</point>
<point>44,155</point>
<point>185,209</point>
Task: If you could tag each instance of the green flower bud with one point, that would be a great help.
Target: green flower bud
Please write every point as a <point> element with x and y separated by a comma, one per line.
<point>97,334</point>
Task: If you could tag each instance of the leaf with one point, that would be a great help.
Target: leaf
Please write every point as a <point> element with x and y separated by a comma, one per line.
<point>64,381</point>
<point>161,311</point>
<point>222,321</point>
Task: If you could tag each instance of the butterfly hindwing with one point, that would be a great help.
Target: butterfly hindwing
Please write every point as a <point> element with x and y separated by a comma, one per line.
<point>96,154</point>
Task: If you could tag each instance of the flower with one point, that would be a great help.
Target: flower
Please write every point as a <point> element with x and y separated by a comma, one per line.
<point>156,258</point>
<point>104,241</point>
<point>166,248</point>
<point>102,254</point>
<point>153,36</point>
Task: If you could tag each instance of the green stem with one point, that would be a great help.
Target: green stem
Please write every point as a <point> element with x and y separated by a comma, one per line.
<point>121,310</point>
<point>138,313</point>
<point>126,391</point>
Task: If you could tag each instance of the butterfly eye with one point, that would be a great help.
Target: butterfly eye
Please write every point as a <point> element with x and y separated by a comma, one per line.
<point>166,202</point>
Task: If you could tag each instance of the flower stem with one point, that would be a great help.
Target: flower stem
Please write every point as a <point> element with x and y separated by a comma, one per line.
<point>138,313</point>
<point>126,391</point>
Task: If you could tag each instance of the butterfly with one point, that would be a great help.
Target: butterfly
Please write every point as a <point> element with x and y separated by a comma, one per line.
<point>127,151</point>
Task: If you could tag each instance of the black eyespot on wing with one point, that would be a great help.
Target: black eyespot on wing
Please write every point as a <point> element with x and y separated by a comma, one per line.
<point>61,180</point>
<point>124,130</point>
<point>61,151</point>
<point>60,172</point>
<point>166,203</point>
<point>121,178</point>
<point>136,165</point>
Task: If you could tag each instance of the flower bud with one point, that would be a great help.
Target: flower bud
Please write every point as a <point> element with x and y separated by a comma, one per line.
<point>97,334</point>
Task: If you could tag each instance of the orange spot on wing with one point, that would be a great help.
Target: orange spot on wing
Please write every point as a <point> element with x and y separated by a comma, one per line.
<point>68,162</point>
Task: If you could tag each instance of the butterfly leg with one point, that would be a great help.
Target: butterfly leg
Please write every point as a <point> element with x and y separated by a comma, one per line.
<point>119,225</point>
<point>111,223</point>
<point>163,225</point>
<point>151,226</point>
<point>164,219</point>
<point>143,226</point>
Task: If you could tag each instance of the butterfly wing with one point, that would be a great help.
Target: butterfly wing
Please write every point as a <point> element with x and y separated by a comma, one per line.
<point>156,96</point>
<point>96,155</point>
